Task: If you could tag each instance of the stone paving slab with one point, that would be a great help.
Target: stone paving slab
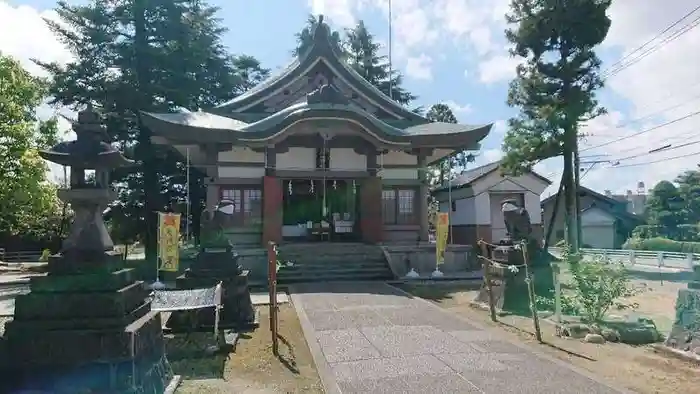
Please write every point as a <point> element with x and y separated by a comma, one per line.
<point>373,338</point>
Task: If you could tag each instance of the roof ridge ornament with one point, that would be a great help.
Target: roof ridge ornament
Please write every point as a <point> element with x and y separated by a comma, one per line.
<point>326,94</point>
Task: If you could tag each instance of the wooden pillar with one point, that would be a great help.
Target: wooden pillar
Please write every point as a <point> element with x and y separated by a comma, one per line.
<point>371,223</point>
<point>272,209</point>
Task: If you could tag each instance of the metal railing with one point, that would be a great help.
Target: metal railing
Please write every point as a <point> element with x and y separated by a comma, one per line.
<point>644,258</point>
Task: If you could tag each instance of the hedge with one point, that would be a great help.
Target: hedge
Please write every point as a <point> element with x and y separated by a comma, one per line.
<point>662,245</point>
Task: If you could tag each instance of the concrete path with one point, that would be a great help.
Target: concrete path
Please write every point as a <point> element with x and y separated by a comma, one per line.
<point>373,338</point>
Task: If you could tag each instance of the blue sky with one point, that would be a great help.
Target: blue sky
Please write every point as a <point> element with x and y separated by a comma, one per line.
<point>454,52</point>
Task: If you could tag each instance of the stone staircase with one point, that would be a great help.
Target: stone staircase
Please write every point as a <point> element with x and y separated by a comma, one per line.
<point>323,262</point>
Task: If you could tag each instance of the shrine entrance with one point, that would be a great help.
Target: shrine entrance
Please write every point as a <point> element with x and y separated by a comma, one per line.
<point>320,210</point>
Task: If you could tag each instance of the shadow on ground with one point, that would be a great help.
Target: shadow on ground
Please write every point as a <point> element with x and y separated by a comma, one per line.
<point>679,277</point>
<point>193,356</point>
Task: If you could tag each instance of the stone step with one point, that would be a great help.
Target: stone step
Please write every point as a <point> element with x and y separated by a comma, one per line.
<point>335,277</point>
<point>311,271</point>
<point>321,265</point>
<point>334,260</point>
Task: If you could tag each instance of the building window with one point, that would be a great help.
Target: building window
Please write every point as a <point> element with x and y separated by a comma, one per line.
<point>399,206</point>
<point>247,208</point>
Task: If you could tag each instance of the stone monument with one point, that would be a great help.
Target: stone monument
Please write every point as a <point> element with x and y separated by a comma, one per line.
<point>509,288</point>
<point>685,334</point>
<point>87,326</point>
<point>217,262</point>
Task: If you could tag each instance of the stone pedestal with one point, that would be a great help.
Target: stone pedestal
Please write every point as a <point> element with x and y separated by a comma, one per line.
<point>214,265</point>
<point>509,288</point>
<point>87,327</point>
<point>685,334</point>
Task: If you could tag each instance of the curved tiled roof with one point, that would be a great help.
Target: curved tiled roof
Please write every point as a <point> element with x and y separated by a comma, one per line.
<point>322,47</point>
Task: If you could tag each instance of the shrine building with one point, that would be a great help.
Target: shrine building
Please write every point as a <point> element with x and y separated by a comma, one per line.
<point>316,153</point>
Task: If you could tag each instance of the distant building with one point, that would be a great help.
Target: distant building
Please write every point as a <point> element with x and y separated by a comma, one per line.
<point>606,221</point>
<point>475,209</point>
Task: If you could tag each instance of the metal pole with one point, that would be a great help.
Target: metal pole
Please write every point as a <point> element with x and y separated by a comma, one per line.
<point>391,85</point>
<point>187,199</point>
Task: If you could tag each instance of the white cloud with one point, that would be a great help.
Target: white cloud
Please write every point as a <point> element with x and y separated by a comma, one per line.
<point>24,35</point>
<point>497,68</point>
<point>457,108</point>
<point>668,77</point>
<point>419,67</point>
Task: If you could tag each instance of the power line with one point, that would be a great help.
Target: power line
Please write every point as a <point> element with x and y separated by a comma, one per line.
<point>651,152</point>
<point>618,66</point>
<point>643,131</point>
<point>656,113</point>
<point>655,161</point>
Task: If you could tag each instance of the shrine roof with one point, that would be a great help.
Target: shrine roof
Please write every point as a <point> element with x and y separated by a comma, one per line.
<point>324,48</point>
<point>325,104</point>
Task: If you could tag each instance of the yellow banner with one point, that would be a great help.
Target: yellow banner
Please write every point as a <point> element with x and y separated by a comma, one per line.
<point>168,240</point>
<point>441,229</point>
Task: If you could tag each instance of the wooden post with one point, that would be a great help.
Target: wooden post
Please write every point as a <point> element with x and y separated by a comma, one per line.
<point>531,292</point>
<point>272,286</point>
<point>556,271</point>
<point>486,264</point>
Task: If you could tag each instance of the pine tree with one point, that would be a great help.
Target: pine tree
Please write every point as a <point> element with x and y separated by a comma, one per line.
<point>134,55</point>
<point>555,85</point>
<point>363,56</point>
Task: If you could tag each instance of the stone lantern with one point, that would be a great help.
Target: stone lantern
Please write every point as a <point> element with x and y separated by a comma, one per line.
<point>87,326</point>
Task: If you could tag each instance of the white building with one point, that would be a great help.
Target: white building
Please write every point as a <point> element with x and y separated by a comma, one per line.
<point>474,202</point>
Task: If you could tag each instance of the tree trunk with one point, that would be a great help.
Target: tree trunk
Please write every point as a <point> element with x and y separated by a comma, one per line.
<point>577,197</point>
<point>145,147</point>
<point>550,225</point>
<point>569,199</point>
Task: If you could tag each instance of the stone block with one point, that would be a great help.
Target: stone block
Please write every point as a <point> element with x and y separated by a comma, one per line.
<point>85,263</point>
<point>77,305</point>
<point>36,327</point>
<point>141,338</point>
<point>106,281</point>
<point>685,334</point>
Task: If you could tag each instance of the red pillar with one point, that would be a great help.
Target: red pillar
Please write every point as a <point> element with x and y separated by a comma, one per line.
<point>272,209</point>
<point>371,223</point>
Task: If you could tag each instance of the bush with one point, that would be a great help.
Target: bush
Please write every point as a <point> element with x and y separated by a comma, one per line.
<point>662,245</point>
<point>597,285</point>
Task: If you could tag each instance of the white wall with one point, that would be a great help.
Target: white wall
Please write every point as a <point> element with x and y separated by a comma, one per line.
<point>478,209</point>
<point>241,172</point>
<point>397,158</point>
<point>398,173</point>
<point>297,159</point>
<point>242,154</point>
<point>346,159</point>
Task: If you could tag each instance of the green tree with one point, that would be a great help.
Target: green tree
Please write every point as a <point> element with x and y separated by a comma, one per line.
<point>363,56</point>
<point>665,209</point>
<point>306,35</point>
<point>443,170</point>
<point>135,55</point>
<point>555,85</point>
<point>689,190</point>
<point>30,206</point>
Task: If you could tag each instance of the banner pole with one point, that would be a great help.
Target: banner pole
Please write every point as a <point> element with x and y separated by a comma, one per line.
<point>158,284</point>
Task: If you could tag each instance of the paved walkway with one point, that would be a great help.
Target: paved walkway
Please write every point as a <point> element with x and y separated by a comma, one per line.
<point>372,338</point>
